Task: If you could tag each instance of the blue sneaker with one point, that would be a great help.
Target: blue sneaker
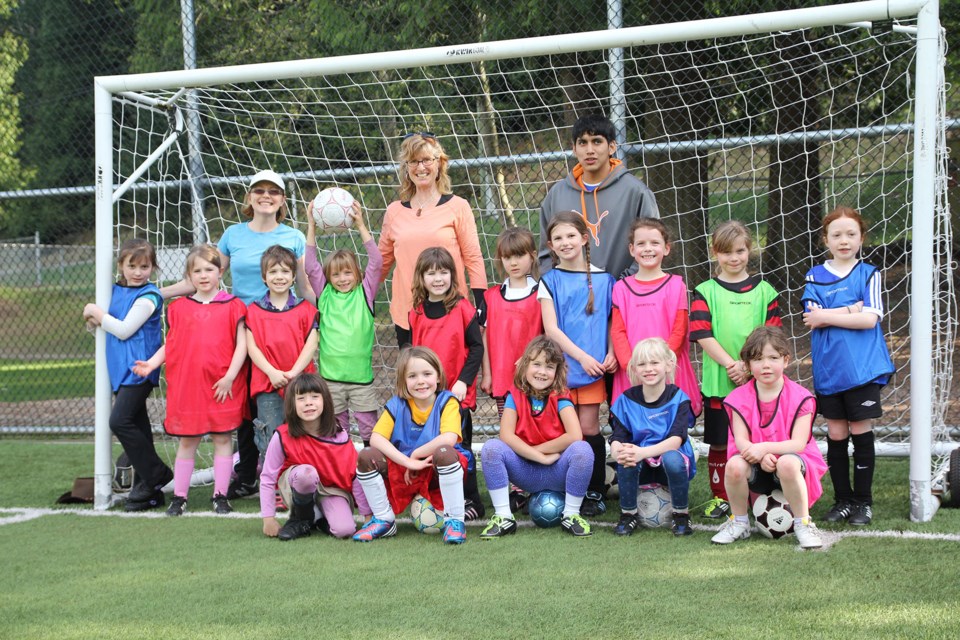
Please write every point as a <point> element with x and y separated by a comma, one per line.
<point>454,532</point>
<point>375,528</point>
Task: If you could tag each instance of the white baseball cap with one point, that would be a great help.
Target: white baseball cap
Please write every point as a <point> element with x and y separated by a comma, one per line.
<point>268,176</point>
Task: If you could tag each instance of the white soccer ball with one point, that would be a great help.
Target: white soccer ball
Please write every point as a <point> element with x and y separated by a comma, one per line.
<point>772,514</point>
<point>332,208</point>
<point>425,518</point>
<point>654,508</point>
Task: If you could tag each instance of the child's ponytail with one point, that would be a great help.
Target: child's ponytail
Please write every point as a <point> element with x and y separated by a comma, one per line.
<point>575,220</point>
<point>589,308</point>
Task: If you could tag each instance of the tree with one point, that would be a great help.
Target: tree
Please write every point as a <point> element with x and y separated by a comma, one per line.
<point>13,175</point>
<point>70,41</point>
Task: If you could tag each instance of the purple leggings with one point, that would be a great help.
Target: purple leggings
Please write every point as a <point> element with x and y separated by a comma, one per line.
<point>303,479</point>
<point>570,474</point>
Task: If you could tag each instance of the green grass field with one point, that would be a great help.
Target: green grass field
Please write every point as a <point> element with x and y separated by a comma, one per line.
<point>75,573</point>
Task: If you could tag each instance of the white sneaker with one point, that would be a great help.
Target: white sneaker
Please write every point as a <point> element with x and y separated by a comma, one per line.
<point>731,531</point>
<point>808,535</point>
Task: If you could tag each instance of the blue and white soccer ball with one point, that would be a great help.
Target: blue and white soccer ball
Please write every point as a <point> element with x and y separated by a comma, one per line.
<point>772,514</point>
<point>654,508</point>
<point>546,508</point>
<point>425,518</point>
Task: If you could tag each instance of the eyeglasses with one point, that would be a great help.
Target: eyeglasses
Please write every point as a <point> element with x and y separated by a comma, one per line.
<point>273,192</point>
<point>423,134</point>
<point>427,163</point>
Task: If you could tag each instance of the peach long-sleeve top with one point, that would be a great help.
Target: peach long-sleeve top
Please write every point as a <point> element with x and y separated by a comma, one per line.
<point>405,235</point>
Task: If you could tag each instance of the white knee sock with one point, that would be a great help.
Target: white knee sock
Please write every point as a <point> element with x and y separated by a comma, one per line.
<point>451,488</point>
<point>501,501</point>
<point>571,504</point>
<point>376,493</point>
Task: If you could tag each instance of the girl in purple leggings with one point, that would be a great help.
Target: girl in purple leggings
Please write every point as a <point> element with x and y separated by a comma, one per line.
<point>313,462</point>
<point>541,446</point>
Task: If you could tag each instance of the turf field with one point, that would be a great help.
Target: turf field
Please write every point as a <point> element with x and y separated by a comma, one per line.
<point>75,573</point>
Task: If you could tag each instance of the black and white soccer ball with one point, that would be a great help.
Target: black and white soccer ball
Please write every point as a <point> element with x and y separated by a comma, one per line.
<point>772,514</point>
<point>610,479</point>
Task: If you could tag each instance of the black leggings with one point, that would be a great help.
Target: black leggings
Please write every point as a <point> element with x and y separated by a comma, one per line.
<point>131,424</point>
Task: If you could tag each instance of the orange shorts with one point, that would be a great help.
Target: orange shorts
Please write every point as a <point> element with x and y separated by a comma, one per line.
<point>593,393</point>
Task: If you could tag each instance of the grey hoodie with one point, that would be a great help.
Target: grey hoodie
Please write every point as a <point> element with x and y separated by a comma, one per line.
<point>609,211</point>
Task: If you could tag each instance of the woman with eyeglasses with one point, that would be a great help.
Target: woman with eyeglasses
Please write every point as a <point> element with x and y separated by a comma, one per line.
<point>427,215</point>
<point>241,247</point>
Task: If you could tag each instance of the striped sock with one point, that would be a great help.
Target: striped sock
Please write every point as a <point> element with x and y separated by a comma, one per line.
<point>376,493</point>
<point>451,488</point>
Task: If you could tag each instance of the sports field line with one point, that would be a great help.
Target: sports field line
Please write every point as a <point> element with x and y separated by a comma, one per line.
<point>12,515</point>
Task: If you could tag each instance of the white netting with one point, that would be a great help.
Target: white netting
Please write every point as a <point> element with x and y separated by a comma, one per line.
<point>774,130</point>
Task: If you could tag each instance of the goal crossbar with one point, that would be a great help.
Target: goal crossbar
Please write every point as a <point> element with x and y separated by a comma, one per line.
<point>850,13</point>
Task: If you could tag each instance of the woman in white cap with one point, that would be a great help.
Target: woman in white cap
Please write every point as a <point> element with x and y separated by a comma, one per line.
<point>241,247</point>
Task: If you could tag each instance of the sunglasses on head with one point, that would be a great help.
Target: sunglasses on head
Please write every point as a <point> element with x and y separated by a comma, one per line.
<point>259,192</point>
<point>423,134</point>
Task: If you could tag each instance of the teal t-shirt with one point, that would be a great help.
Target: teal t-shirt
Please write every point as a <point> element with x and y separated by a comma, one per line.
<point>245,248</point>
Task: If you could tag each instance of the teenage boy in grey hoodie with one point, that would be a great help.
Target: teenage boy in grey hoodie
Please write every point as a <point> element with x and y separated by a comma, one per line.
<point>609,199</point>
<point>601,190</point>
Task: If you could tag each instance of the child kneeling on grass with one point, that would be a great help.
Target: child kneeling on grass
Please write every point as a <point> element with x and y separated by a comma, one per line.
<point>649,441</point>
<point>413,451</point>
<point>313,462</point>
<point>771,441</point>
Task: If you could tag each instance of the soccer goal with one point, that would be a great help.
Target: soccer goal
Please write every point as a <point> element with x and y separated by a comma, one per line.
<point>772,119</point>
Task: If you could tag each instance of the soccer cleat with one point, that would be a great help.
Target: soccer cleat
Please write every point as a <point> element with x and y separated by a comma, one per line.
<point>221,505</point>
<point>374,529</point>
<point>593,505</point>
<point>322,525</point>
<point>840,511</point>
<point>731,531</point>
<point>717,508</point>
<point>627,525</point>
<point>518,501</point>
<point>239,489</point>
<point>681,525</point>
<point>294,529</point>
<point>177,506</point>
<point>143,496</point>
<point>454,532</point>
<point>473,509</point>
<point>860,515</point>
<point>498,527</point>
<point>151,500</point>
<point>575,525</point>
<point>808,535</point>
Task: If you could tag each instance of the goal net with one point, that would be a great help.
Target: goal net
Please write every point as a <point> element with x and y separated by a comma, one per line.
<point>774,129</point>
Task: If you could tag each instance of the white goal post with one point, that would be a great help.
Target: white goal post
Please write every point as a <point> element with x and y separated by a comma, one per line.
<point>869,157</point>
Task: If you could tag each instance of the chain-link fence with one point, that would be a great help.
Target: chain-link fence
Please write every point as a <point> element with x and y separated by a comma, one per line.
<point>54,48</point>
